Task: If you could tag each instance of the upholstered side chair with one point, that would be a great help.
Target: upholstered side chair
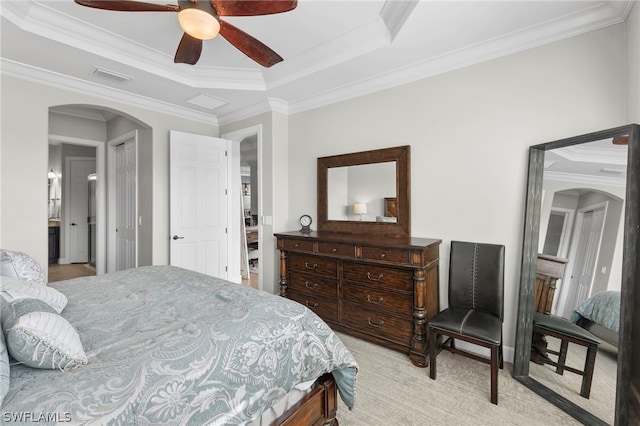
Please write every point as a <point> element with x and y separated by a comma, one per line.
<point>476,307</point>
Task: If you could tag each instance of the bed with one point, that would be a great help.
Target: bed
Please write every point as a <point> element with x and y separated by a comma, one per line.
<point>600,314</point>
<point>164,345</point>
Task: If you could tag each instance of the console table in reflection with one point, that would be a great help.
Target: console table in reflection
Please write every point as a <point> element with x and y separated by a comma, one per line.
<point>549,270</point>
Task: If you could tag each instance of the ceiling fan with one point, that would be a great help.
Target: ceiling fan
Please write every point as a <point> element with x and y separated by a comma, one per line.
<point>621,140</point>
<point>200,20</point>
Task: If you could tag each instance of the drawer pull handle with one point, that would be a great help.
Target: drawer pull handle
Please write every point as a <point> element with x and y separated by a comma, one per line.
<point>315,305</point>
<point>375,325</point>
<point>380,276</point>
<point>306,284</point>
<point>314,266</point>
<point>296,245</point>
<point>334,250</point>
<point>382,255</point>
<point>380,299</point>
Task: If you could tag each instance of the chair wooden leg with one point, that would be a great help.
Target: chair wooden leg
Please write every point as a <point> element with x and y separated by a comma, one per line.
<point>432,353</point>
<point>587,376</point>
<point>494,374</point>
<point>562,359</point>
<point>501,354</point>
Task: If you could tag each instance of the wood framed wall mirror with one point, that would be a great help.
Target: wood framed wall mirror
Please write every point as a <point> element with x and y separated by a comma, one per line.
<point>366,192</point>
<point>598,209</point>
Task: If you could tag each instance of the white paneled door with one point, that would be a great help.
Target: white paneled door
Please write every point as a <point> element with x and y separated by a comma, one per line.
<point>198,203</point>
<point>589,239</point>
<point>77,228</point>
<point>126,202</point>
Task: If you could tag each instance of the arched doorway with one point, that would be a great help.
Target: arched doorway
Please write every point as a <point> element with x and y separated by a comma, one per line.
<point>79,134</point>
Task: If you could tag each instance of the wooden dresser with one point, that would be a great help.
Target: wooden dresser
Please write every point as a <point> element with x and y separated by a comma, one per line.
<point>380,288</point>
<point>549,270</point>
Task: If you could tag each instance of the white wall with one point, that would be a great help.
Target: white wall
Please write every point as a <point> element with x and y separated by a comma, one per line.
<point>469,132</point>
<point>24,159</point>
<point>633,63</point>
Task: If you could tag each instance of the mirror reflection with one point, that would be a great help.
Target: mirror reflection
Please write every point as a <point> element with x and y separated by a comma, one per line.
<point>579,274</point>
<point>364,192</point>
<point>53,200</point>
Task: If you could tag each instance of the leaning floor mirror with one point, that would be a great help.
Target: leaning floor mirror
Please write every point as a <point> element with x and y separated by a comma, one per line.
<point>581,218</point>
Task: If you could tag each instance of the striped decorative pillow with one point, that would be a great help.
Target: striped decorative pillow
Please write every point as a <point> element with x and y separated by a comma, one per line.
<point>38,337</point>
<point>12,289</point>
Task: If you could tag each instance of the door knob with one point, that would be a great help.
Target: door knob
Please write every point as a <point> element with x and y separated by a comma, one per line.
<point>175,237</point>
<point>73,224</point>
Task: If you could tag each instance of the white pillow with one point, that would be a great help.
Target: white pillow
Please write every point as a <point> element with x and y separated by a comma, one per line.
<point>38,337</point>
<point>21,266</point>
<point>12,289</point>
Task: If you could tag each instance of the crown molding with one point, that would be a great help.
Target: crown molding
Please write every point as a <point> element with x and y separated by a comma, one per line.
<point>586,179</point>
<point>41,76</point>
<point>598,17</point>
<point>585,154</point>
<point>395,14</point>
<point>37,18</point>
<point>361,40</point>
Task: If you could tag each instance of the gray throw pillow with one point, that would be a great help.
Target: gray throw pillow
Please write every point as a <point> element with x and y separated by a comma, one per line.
<point>37,336</point>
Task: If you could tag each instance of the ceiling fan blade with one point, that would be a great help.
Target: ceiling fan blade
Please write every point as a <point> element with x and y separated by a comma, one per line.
<point>621,140</point>
<point>250,46</point>
<point>128,6</point>
<point>252,7</point>
<point>189,50</point>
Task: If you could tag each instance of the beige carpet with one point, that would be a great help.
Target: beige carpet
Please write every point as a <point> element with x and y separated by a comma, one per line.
<point>391,391</point>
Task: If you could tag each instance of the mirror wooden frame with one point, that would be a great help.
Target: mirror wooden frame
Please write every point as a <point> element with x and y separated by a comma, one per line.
<point>402,156</point>
<point>630,275</point>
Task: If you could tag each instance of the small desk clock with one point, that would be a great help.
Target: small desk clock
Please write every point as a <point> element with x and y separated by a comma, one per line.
<point>305,223</point>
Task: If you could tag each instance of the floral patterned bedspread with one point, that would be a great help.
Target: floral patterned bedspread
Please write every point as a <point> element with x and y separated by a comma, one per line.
<point>170,346</point>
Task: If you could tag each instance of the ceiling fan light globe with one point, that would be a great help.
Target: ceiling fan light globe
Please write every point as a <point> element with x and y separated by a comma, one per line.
<point>198,23</point>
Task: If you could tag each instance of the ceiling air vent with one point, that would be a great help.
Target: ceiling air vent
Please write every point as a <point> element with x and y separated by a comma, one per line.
<point>205,101</point>
<point>111,75</point>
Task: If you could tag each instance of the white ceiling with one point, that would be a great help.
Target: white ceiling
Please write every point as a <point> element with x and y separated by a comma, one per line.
<point>598,162</point>
<point>332,50</point>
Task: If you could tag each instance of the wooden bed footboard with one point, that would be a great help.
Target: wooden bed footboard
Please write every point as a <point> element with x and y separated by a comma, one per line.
<point>317,408</point>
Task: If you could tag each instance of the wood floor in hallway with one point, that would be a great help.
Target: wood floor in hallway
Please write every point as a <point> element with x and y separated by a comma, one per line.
<point>66,272</point>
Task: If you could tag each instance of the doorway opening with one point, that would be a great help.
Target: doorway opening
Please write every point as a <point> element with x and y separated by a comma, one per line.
<point>79,133</point>
<point>249,179</point>
<point>246,163</point>
<point>72,232</point>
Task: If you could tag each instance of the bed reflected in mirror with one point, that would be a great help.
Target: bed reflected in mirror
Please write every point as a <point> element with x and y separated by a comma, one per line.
<point>581,239</point>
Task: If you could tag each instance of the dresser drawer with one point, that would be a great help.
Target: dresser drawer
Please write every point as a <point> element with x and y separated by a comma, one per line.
<point>386,255</point>
<point>345,250</point>
<point>291,244</point>
<point>313,285</point>
<point>401,304</point>
<point>378,276</point>
<point>377,323</point>
<point>313,264</point>
<point>326,309</point>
